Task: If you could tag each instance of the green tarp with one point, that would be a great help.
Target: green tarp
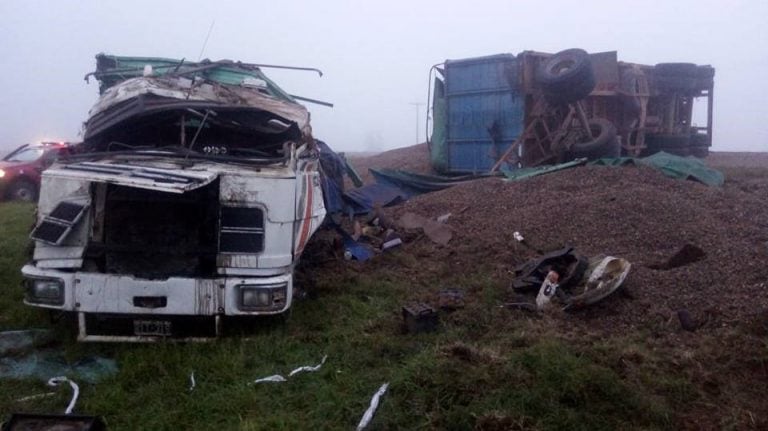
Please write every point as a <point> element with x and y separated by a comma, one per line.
<point>684,168</point>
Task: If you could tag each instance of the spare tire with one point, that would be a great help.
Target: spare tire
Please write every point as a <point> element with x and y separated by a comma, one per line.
<point>603,140</point>
<point>686,70</point>
<point>676,76</point>
<point>567,76</point>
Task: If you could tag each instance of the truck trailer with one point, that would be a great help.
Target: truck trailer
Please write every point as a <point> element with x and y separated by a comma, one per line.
<point>538,108</point>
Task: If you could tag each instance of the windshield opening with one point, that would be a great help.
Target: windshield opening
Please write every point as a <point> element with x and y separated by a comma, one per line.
<point>26,155</point>
<point>211,131</point>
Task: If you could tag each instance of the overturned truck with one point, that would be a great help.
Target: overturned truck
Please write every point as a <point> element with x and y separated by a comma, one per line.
<point>194,195</point>
<point>538,108</point>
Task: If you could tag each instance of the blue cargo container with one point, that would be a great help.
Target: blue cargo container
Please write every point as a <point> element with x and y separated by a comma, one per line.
<point>478,113</point>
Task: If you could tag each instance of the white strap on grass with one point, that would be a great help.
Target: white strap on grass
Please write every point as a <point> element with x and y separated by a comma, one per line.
<point>307,368</point>
<point>56,381</point>
<point>276,378</point>
<point>368,415</point>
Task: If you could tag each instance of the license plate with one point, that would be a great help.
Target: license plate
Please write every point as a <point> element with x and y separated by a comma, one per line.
<point>152,328</point>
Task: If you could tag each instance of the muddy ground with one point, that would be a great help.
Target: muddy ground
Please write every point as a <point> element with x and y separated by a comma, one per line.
<point>632,212</point>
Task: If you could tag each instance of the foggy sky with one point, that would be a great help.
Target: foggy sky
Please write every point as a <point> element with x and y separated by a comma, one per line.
<point>375,55</point>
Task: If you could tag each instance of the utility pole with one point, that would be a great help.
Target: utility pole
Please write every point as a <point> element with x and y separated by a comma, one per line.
<point>417,105</point>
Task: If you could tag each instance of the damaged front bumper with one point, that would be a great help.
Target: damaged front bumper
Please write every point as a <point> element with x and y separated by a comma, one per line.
<point>145,310</point>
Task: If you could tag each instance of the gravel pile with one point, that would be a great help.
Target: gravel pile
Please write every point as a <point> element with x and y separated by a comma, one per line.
<point>631,212</point>
<point>413,159</point>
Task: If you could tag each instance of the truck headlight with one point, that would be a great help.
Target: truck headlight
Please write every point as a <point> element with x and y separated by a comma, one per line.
<point>45,290</point>
<point>256,297</point>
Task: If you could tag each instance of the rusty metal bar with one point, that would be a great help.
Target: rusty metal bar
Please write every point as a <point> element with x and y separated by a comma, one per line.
<point>583,119</point>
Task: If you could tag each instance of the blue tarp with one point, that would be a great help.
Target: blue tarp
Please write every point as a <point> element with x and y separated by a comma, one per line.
<point>394,186</point>
<point>332,168</point>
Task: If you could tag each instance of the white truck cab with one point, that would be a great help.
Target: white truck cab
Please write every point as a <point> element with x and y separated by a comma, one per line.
<point>187,205</point>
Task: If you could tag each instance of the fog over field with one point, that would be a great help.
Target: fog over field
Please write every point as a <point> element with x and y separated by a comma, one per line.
<point>375,55</point>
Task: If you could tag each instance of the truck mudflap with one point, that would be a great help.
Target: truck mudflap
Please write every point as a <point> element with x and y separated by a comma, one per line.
<point>124,308</point>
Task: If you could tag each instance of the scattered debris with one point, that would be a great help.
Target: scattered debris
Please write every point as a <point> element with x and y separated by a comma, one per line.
<point>547,290</point>
<point>569,266</point>
<point>56,381</point>
<point>565,278</point>
<point>687,321</point>
<point>438,232</point>
<point>277,378</point>
<point>368,415</point>
<point>607,276</point>
<point>450,299</point>
<point>419,317</point>
<point>687,255</point>
<point>518,236</point>
<point>391,240</point>
<point>273,378</point>
<point>307,368</point>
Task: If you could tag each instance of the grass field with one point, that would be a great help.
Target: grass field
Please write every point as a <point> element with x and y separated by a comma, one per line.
<point>481,370</point>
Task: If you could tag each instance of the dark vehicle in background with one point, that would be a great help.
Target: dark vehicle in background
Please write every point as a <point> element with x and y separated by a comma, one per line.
<point>20,170</point>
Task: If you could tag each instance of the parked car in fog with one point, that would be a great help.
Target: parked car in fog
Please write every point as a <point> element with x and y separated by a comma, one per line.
<point>20,170</point>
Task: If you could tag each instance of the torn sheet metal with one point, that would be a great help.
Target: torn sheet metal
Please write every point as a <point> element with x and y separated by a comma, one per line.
<point>145,177</point>
<point>368,415</point>
<point>308,368</point>
<point>169,90</point>
<point>606,277</point>
<point>56,381</point>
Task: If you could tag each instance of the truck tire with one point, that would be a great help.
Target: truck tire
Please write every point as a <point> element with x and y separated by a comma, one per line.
<point>603,143</point>
<point>567,76</point>
<point>676,76</point>
<point>687,70</point>
<point>22,190</point>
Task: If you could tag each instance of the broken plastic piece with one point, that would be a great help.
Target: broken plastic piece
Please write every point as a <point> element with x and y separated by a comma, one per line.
<point>308,368</point>
<point>518,236</point>
<point>276,378</point>
<point>56,381</point>
<point>547,290</point>
<point>607,276</point>
<point>368,415</point>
